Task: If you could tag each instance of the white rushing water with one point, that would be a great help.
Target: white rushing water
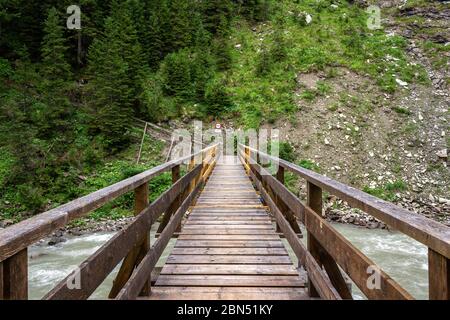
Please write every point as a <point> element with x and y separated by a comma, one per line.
<point>50,264</point>
<point>404,259</point>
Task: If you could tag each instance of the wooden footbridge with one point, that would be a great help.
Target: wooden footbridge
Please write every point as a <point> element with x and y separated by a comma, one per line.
<point>233,222</point>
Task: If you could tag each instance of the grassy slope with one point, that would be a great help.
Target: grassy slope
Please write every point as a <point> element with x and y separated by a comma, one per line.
<point>335,37</point>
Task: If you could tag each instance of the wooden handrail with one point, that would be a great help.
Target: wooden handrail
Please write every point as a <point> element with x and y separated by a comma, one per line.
<point>352,260</point>
<point>330,248</point>
<point>139,277</point>
<point>320,279</point>
<point>99,265</point>
<point>429,232</point>
<point>23,234</point>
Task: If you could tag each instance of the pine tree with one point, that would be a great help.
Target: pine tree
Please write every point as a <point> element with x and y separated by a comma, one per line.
<point>203,64</point>
<point>124,32</point>
<point>154,44</point>
<point>54,48</point>
<point>181,25</point>
<point>111,86</point>
<point>176,74</point>
<point>216,14</point>
<point>216,97</point>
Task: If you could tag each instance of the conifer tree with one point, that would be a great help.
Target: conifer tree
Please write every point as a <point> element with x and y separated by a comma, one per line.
<point>216,14</point>
<point>154,42</point>
<point>176,74</point>
<point>54,48</point>
<point>111,86</point>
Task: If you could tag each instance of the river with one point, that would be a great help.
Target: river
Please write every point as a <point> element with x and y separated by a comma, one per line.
<point>404,259</point>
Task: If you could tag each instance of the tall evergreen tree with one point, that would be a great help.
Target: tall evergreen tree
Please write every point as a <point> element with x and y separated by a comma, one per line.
<point>54,48</point>
<point>154,42</point>
<point>216,14</point>
<point>112,85</point>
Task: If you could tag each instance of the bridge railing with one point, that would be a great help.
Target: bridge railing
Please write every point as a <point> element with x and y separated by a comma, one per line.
<point>131,244</point>
<point>330,249</point>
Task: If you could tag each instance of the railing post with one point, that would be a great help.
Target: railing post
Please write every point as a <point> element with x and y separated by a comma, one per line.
<point>140,203</point>
<point>438,276</point>
<point>280,177</point>
<point>314,201</point>
<point>323,258</point>
<point>191,166</point>
<point>175,204</point>
<point>178,200</point>
<point>136,255</point>
<point>14,277</point>
<point>247,160</point>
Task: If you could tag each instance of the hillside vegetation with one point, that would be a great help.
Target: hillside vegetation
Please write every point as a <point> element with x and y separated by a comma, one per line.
<point>338,91</point>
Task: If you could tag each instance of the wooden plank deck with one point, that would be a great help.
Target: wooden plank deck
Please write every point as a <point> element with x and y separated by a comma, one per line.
<point>228,247</point>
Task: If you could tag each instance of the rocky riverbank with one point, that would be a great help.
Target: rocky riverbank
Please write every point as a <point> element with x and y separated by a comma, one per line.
<point>431,207</point>
<point>89,226</point>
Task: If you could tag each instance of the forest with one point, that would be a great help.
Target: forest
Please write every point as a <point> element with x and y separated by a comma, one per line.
<point>68,97</point>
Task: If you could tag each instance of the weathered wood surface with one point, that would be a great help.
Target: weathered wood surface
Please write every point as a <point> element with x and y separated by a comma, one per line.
<point>228,293</point>
<point>136,254</point>
<point>439,276</point>
<point>14,277</point>
<point>230,243</point>
<point>431,233</point>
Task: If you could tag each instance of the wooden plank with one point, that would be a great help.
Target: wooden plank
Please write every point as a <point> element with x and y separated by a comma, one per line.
<point>230,269</point>
<point>226,210</point>
<point>251,237</point>
<point>198,212</point>
<point>230,293</point>
<point>315,200</point>
<point>229,244</point>
<point>201,231</point>
<point>139,277</point>
<point>237,226</point>
<point>224,259</point>
<point>236,197</point>
<point>228,203</point>
<point>14,277</point>
<point>229,281</point>
<point>283,194</point>
<point>439,276</point>
<point>175,204</point>
<point>231,251</point>
<point>201,223</point>
<point>98,266</point>
<point>193,217</point>
<point>23,234</point>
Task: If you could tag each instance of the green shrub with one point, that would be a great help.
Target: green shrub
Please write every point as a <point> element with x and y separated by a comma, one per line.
<point>308,164</point>
<point>388,191</point>
<point>286,152</point>
<point>402,110</point>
